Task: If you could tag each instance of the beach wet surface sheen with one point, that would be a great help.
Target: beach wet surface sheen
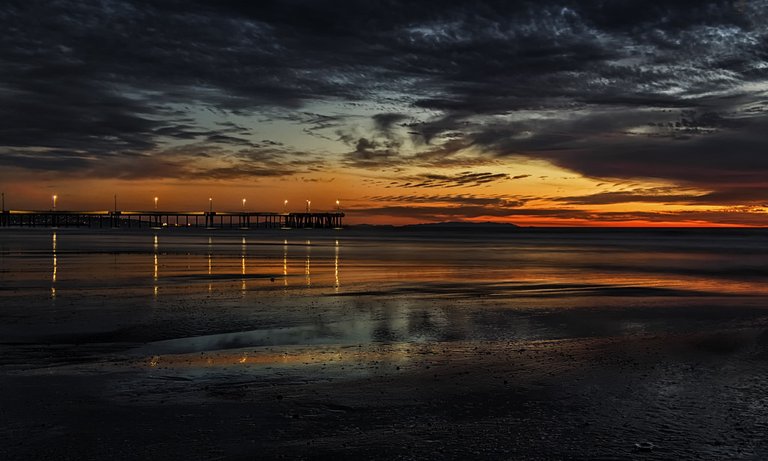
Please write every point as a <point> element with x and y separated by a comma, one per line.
<point>363,344</point>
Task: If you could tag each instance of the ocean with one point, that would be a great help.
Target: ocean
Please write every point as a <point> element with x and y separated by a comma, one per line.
<point>372,285</point>
<point>380,343</point>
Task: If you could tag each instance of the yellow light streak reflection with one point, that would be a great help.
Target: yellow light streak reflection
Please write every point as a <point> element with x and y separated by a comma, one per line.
<point>155,265</point>
<point>243,252</point>
<point>55,260</point>
<point>285,263</point>
<point>336,266</point>
<point>55,269</point>
<point>242,257</point>
<point>210,256</point>
<point>210,262</point>
<point>307,271</point>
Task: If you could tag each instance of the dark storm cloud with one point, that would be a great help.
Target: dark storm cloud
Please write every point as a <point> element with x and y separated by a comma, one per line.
<point>748,194</point>
<point>373,153</point>
<point>379,149</point>
<point>384,123</point>
<point>461,200</point>
<point>463,179</point>
<point>607,198</point>
<point>458,199</point>
<point>672,90</point>
<point>726,161</point>
<point>181,163</point>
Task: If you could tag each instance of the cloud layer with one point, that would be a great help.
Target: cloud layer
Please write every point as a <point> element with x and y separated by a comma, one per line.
<point>673,91</point>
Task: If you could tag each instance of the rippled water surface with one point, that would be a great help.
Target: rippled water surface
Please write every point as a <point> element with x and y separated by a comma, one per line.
<point>383,344</point>
<point>183,291</point>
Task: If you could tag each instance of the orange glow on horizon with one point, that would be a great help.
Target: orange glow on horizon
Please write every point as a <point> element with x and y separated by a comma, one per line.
<point>540,201</point>
<point>352,219</point>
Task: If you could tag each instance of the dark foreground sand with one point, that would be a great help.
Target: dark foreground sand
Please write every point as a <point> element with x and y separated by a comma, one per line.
<point>693,396</point>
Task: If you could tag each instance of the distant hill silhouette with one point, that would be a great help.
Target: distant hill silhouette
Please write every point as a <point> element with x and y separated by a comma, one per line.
<point>462,225</point>
<point>447,226</point>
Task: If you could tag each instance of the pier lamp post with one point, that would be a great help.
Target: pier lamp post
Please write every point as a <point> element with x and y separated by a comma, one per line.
<point>338,206</point>
<point>243,204</point>
<point>155,203</point>
<point>54,201</point>
<point>210,204</point>
<point>285,206</point>
<point>309,205</point>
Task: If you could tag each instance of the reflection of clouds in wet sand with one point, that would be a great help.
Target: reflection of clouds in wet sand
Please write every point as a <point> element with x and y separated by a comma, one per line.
<point>55,268</point>
<point>344,325</point>
<point>506,400</point>
<point>307,271</point>
<point>289,356</point>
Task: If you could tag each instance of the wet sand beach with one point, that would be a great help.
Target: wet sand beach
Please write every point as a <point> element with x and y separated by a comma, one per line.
<point>358,345</point>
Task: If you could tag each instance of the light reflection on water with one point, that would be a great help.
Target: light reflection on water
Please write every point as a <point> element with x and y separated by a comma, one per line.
<point>336,284</point>
<point>307,269</point>
<point>86,268</point>
<point>155,270</point>
<point>224,290</point>
<point>182,266</point>
<point>405,265</point>
<point>285,263</point>
<point>55,267</point>
<point>242,266</point>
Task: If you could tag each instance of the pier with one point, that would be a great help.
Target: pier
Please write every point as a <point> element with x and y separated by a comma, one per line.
<point>161,219</point>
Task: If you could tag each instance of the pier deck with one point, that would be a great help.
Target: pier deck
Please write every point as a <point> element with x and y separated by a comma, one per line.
<point>139,219</point>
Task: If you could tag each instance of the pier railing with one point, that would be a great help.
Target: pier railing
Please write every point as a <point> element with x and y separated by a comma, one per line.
<point>159,219</point>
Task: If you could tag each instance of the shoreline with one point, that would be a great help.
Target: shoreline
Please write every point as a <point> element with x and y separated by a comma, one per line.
<point>536,347</point>
<point>569,399</point>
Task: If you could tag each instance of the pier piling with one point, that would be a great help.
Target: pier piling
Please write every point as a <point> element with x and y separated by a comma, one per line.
<point>139,219</point>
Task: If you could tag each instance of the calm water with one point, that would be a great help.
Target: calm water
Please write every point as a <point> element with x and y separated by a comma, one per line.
<point>184,291</point>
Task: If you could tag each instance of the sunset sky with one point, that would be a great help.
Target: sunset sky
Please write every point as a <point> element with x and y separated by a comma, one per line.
<point>538,113</point>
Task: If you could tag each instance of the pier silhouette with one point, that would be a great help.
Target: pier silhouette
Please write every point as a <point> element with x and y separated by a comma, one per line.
<point>161,219</point>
